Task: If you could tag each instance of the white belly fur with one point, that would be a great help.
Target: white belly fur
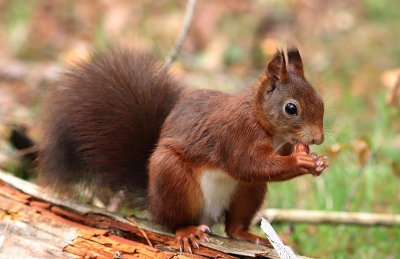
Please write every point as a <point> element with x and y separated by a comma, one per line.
<point>218,188</point>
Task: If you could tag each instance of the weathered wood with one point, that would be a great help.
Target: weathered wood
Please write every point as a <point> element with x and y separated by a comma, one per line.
<point>331,217</point>
<point>38,229</point>
<point>29,234</point>
<point>42,226</point>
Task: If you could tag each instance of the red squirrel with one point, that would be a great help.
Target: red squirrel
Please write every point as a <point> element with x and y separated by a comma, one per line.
<point>122,121</point>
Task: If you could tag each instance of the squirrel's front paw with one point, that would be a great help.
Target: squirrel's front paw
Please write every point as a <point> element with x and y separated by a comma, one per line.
<point>305,164</point>
<point>320,162</point>
<point>189,234</point>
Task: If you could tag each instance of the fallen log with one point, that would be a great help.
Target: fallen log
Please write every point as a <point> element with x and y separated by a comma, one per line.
<point>35,224</point>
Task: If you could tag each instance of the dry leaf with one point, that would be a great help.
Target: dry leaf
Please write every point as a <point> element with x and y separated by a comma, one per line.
<point>395,167</point>
<point>362,149</point>
<point>334,150</point>
<point>391,79</point>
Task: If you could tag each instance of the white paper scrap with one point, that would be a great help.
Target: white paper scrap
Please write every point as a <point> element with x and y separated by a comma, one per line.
<point>283,251</point>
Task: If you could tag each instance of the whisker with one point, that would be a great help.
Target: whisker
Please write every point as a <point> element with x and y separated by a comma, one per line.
<point>333,94</point>
<point>329,140</point>
<point>293,149</point>
<point>280,146</point>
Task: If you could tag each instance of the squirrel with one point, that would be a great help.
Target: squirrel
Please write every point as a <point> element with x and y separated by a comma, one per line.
<point>121,120</point>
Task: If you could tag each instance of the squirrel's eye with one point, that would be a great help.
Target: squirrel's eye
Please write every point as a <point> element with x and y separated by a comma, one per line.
<point>291,109</point>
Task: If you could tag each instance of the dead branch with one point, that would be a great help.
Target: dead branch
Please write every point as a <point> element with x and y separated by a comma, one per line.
<point>20,153</point>
<point>331,217</point>
<point>141,231</point>
<point>182,36</point>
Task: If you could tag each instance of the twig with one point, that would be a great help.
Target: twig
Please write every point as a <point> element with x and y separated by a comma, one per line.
<point>20,153</point>
<point>185,29</point>
<point>116,201</point>
<point>3,234</point>
<point>357,181</point>
<point>5,229</point>
<point>331,217</point>
<point>141,230</point>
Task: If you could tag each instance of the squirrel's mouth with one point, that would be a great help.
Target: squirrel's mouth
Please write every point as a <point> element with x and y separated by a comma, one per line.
<point>301,147</point>
<point>295,141</point>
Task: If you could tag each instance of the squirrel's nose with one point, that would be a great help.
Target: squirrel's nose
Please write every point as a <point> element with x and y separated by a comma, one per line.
<point>318,139</point>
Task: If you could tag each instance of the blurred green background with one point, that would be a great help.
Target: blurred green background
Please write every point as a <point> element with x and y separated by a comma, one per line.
<point>351,54</point>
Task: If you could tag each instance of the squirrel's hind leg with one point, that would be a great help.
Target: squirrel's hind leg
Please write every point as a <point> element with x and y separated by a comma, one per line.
<point>245,204</point>
<point>175,196</point>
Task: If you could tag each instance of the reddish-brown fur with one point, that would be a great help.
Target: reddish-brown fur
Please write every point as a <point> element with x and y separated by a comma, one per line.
<point>105,131</point>
<point>103,120</point>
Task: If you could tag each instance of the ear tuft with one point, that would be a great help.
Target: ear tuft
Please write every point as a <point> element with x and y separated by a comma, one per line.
<point>294,60</point>
<point>276,69</point>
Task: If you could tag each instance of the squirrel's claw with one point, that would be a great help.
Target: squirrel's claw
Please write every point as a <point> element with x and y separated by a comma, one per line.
<point>186,237</point>
<point>321,164</point>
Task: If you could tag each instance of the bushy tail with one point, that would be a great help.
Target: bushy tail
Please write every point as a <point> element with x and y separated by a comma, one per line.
<point>103,120</point>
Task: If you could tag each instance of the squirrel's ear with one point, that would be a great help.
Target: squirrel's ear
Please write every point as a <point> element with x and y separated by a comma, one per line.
<point>294,60</point>
<point>276,69</point>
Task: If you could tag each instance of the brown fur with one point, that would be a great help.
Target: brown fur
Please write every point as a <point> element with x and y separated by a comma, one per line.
<point>106,117</point>
<point>209,128</point>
